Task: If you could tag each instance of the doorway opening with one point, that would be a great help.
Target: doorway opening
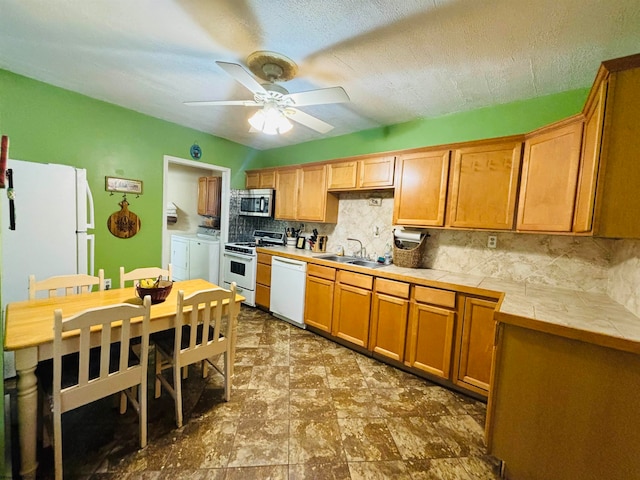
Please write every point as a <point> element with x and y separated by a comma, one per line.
<point>178,175</point>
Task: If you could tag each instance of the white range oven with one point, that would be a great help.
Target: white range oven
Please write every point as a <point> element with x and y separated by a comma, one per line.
<point>240,263</point>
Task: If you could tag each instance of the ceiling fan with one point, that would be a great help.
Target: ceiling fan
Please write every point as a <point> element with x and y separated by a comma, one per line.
<point>277,104</point>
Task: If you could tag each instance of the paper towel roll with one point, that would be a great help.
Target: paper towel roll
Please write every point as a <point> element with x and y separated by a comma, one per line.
<point>412,235</point>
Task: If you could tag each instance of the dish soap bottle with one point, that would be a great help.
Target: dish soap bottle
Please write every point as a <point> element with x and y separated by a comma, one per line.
<point>387,255</point>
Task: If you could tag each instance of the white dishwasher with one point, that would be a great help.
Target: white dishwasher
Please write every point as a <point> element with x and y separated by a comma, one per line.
<point>288,278</point>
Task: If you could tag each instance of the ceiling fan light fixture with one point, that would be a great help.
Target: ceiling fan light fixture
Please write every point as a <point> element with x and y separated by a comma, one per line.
<point>270,121</point>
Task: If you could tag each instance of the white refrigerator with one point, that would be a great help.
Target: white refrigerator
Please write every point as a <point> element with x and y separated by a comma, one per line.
<point>53,212</point>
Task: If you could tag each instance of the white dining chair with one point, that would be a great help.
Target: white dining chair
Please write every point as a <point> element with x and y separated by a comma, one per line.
<point>66,284</point>
<point>144,272</point>
<point>198,336</point>
<point>119,369</point>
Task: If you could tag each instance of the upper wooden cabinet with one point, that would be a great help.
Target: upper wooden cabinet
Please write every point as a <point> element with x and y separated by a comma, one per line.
<point>209,196</point>
<point>314,203</point>
<point>260,179</point>
<point>589,160</point>
<point>301,194</point>
<point>421,188</point>
<point>484,184</point>
<point>550,177</point>
<point>617,204</point>
<point>365,173</point>
<point>286,193</point>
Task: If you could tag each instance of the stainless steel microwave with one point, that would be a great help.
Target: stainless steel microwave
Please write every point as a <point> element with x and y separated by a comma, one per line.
<point>256,202</point>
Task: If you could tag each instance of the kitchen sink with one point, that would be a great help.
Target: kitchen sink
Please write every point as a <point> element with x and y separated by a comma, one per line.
<point>361,262</point>
<point>337,258</point>
<point>365,263</point>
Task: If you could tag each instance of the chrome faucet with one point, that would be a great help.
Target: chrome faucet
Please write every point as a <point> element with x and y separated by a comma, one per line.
<point>362,253</point>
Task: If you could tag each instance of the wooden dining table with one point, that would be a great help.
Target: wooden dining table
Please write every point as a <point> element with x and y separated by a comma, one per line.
<point>29,333</point>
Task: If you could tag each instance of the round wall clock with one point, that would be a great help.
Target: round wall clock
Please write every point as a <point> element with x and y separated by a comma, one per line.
<point>195,151</point>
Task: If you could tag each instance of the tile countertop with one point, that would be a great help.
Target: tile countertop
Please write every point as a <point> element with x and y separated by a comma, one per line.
<point>594,318</point>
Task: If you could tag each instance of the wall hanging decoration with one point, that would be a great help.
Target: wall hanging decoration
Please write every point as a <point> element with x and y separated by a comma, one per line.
<point>123,224</point>
<point>123,185</point>
<point>195,151</point>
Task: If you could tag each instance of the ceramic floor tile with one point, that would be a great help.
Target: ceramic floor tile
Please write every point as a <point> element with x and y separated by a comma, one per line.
<point>438,469</point>
<point>311,403</point>
<point>345,376</point>
<point>266,403</point>
<point>397,402</point>
<point>319,471</point>
<point>367,440</point>
<point>203,445</point>
<point>269,377</point>
<point>315,441</point>
<point>271,472</point>
<point>354,403</point>
<point>379,470</point>
<point>260,442</point>
<point>308,376</point>
<point>417,438</point>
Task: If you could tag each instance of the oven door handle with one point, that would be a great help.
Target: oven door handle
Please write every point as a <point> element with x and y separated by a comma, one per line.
<point>242,257</point>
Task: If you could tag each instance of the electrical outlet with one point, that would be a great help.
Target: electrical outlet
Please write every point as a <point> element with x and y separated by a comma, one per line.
<point>492,242</point>
<point>375,201</point>
<point>107,284</point>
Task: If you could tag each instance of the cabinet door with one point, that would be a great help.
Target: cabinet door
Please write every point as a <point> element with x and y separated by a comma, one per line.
<point>267,179</point>
<point>314,203</point>
<point>202,196</point>
<point>252,180</point>
<point>286,194</point>
<point>263,296</point>
<point>431,339</point>
<point>476,344</point>
<point>590,162</point>
<point>342,176</point>
<point>180,258</point>
<point>389,326</point>
<point>213,196</point>
<point>421,188</point>
<point>376,172</point>
<point>318,306</point>
<point>549,179</point>
<point>351,309</point>
<point>484,186</point>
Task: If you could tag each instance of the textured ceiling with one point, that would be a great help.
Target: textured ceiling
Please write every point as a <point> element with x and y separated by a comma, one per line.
<point>397,60</point>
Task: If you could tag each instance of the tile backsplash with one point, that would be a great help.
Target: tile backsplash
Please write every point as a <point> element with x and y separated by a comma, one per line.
<point>578,263</point>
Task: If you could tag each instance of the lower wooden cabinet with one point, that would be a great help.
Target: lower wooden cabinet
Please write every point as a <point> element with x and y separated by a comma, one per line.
<point>475,345</point>
<point>352,307</point>
<point>318,305</point>
<point>389,312</point>
<point>263,281</point>
<point>431,329</point>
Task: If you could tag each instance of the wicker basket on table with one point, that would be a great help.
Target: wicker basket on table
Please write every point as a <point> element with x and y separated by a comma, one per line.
<point>409,257</point>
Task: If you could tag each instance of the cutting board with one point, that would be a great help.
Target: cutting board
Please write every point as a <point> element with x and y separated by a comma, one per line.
<point>123,224</point>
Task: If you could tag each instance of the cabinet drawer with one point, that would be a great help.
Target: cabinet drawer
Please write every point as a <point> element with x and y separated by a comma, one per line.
<point>390,287</point>
<point>263,274</point>
<point>264,258</point>
<point>321,272</point>
<point>435,296</point>
<point>355,279</point>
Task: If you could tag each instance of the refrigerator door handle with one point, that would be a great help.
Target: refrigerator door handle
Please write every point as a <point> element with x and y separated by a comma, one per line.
<point>91,243</point>
<point>90,215</point>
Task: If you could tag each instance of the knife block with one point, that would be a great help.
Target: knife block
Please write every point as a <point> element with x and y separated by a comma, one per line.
<point>321,244</point>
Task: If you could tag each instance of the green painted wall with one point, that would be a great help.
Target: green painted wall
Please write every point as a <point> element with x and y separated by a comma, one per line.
<point>500,120</point>
<point>49,124</point>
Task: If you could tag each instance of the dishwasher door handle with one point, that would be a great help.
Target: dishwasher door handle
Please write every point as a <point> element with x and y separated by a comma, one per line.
<point>286,261</point>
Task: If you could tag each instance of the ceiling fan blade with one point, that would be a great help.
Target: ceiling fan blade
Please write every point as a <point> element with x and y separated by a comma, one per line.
<point>319,97</point>
<point>243,103</point>
<point>308,120</point>
<point>242,76</point>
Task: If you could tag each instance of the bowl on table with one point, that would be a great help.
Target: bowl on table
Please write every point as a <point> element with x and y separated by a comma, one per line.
<point>158,293</point>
